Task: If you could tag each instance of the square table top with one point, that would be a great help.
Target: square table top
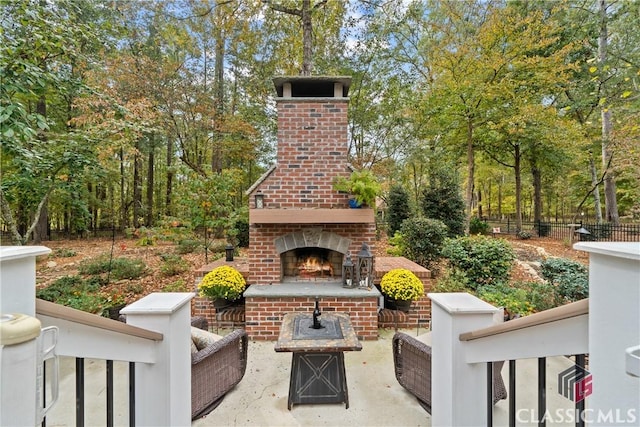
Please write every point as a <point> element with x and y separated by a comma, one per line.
<point>286,341</point>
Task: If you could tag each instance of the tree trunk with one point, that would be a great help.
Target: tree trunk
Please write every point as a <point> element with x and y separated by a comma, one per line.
<point>596,189</point>
<point>479,203</point>
<point>150,172</point>
<point>123,198</point>
<point>216,154</point>
<point>307,39</point>
<point>137,187</point>
<point>500,182</point>
<point>517,172</point>
<point>470,172</point>
<point>610,201</point>
<point>40,232</point>
<point>536,175</point>
<point>167,196</point>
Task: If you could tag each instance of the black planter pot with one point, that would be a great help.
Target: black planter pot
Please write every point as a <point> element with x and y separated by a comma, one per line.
<point>400,305</point>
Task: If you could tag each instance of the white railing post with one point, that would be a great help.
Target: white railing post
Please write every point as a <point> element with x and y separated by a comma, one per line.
<point>163,389</point>
<point>458,388</point>
<point>614,326</point>
<point>18,367</point>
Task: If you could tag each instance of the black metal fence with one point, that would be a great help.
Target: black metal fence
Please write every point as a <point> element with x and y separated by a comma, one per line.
<point>584,231</point>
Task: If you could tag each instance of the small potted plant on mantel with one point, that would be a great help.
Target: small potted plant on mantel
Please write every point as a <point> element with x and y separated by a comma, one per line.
<point>223,285</point>
<point>400,287</point>
<point>362,186</point>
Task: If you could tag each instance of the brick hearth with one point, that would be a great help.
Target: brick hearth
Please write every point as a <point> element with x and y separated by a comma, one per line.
<point>263,313</point>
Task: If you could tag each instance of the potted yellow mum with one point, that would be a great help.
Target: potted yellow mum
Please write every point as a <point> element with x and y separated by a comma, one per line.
<point>222,283</point>
<point>400,286</point>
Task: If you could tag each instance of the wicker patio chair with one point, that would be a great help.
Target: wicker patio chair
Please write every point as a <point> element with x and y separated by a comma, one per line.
<point>412,362</point>
<point>215,370</point>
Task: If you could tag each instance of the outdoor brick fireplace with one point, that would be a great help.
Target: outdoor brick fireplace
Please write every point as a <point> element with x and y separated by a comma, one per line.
<point>300,228</point>
<point>301,218</point>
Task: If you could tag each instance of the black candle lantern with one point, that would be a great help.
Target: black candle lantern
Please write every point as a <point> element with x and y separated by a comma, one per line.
<point>348,280</point>
<point>364,269</point>
<point>228,250</point>
<point>259,201</point>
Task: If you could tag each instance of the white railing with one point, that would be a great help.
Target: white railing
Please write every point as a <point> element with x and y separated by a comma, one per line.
<point>156,337</point>
<point>464,337</point>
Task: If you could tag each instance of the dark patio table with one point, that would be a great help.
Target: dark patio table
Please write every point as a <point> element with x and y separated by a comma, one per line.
<point>317,365</point>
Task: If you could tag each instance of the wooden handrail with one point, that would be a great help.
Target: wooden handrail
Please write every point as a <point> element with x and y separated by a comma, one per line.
<point>573,309</point>
<point>46,308</point>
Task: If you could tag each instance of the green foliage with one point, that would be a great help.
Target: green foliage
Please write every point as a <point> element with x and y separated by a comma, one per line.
<point>58,288</point>
<point>188,246</point>
<point>173,264</point>
<point>396,245</point>
<point>541,295</point>
<point>177,286</point>
<point>363,185</point>
<point>484,260</point>
<point>478,226</point>
<point>443,201</point>
<point>63,253</point>
<point>242,232</point>
<point>523,235</point>
<point>452,281</point>
<point>570,279</point>
<point>211,202</point>
<point>398,208</point>
<point>74,292</point>
<point>422,240</point>
<point>402,285</point>
<point>117,268</point>
<point>513,299</point>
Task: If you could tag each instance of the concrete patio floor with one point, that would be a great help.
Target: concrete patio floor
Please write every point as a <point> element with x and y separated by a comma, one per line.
<point>260,399</point>
<point>375,397</point>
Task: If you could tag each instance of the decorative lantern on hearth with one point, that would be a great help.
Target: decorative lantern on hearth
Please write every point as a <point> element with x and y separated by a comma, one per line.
<point>364,267</point>
<point>348,279</point>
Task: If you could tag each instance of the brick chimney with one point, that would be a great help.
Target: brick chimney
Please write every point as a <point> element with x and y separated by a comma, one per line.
<point>297,193</point>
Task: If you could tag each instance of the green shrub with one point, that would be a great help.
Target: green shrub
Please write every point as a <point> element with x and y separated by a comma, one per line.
<point>523,235</point>
<point>242,233</point>
<point>570,278</point>
<point>398,209</point>
<point>177,286</point>
<point>119,268</point>
<point>452,281</point>
<point>396,244</point>
<point>514,300</point>
<point>64,253</point>
<point>478,226</point>
<point>484,260</point>
<point>72,291</point>
<point>173,264</point>
<point>59,288</point>
<point>541,295</point>
<point>187,246</point>
<point>423,239</point>
<point>443,201</point>
<point>94,266</point>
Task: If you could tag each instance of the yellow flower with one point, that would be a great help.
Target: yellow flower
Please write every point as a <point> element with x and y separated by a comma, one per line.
<point>222,282</point>
<point>401,284</point>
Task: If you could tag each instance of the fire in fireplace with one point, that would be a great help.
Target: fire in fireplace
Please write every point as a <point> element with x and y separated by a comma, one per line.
<point>311,264</point>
